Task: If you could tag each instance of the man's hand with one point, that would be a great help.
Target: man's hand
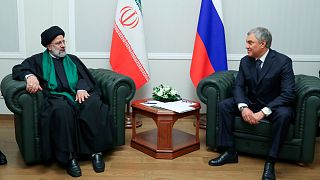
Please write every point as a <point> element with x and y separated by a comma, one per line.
<point>33,85</point>
<point>250,117</point>
<point>247,115</point>
<point>258,116</point>
<point>81,95</point>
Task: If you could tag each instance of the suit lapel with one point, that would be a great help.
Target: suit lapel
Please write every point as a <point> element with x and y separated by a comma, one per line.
<point>266,65</point>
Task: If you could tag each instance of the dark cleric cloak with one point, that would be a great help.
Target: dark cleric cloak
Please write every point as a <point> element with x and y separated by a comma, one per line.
<point>66,126</point>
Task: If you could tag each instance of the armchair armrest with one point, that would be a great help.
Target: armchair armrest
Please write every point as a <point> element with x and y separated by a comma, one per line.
<point>210,91</point>
<point>25,107</point>
<point>307,107</point>
<point>13,90</point>
<point>116,91</point>
<point>221,82</point>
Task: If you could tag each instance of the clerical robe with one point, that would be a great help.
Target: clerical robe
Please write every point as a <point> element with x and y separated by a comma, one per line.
<point>65,125</point>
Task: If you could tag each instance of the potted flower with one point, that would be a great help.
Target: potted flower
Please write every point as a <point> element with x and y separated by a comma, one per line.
<point>165,93</point>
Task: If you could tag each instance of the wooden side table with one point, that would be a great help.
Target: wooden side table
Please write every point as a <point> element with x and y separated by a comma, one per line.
<point>164,142</point>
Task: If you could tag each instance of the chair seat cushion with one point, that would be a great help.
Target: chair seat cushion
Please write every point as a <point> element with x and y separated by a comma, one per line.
<point>262,129</point>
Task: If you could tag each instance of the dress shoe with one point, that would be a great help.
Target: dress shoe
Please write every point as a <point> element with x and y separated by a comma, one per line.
<point>98,163</point>
<point>3,159</point>
<point>73,168</point>
<point>224,159</point>
<point>268,172</point>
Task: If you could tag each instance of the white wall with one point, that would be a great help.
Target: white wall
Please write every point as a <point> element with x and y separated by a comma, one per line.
<point>170,27</point>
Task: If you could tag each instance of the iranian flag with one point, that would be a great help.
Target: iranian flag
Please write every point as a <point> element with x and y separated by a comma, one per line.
<point>128,54</point>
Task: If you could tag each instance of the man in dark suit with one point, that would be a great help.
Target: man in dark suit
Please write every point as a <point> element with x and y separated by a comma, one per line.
<point>264,88</point>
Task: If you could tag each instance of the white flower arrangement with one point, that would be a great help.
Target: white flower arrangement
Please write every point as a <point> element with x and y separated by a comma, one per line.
<point>165,93</point>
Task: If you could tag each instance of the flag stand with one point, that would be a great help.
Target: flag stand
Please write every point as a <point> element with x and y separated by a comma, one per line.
<point>128,119</point>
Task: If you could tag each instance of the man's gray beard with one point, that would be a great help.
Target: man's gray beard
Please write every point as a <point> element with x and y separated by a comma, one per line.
<point>58,54</point>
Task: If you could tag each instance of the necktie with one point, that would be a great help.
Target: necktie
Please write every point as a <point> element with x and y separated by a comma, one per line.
<point>258,66</point>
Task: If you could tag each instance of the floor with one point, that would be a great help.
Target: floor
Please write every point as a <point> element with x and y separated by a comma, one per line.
<point>127,163</point>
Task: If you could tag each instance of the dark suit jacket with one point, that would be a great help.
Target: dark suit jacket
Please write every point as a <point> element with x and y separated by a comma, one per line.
<point>275,86</point>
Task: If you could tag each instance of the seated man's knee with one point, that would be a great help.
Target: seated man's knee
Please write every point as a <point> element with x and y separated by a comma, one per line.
<point>92,100</point>
<point>63,107</point>
<point>225,104</point>
<point>283,113</point>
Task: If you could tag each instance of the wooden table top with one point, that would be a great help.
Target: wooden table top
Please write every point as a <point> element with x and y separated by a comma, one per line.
<point>137,104</point>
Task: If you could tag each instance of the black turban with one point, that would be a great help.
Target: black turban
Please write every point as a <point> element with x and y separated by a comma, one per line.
<point>49,34</point>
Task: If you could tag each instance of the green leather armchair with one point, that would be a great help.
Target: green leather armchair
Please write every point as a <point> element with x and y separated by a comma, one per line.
<point>300,142</point>
<point>116,90</point>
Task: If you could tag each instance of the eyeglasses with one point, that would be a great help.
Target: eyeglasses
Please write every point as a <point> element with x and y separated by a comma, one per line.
<point>60,43</point>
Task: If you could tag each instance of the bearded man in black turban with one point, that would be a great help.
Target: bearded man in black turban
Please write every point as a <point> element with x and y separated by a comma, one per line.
<point>73,119</point>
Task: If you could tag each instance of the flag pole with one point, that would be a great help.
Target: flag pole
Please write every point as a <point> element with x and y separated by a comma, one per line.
<point>202,123</point>
<point>128,119</point>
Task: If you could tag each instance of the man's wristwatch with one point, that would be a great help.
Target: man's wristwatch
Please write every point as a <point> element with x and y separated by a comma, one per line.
<point>242,108</point>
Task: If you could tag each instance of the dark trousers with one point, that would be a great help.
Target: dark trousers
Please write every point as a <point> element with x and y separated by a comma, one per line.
<point>280,119</point>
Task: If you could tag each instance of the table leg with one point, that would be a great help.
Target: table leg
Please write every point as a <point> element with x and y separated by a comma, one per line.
<point>164,135</point>
<point>197,125</point>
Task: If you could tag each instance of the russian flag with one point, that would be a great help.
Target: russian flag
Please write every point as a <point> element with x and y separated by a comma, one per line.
<point>209,54</point>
